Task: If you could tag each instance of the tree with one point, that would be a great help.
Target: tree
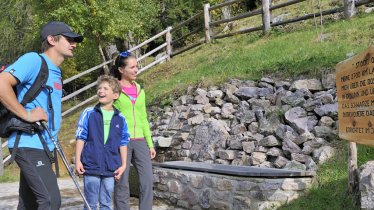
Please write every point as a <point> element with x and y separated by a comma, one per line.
<point>17,30</point>
<point>105,20</point>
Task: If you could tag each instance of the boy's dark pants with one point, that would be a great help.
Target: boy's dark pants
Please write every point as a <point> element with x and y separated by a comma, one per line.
<point>38,187</point>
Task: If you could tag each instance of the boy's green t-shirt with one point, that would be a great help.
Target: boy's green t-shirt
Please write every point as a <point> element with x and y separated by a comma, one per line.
<point>107,117</point>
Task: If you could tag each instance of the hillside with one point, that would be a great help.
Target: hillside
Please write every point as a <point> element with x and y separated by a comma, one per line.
<point>307,49</point>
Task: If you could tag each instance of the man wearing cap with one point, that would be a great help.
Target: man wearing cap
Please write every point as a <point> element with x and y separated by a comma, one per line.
<point>38,187</point>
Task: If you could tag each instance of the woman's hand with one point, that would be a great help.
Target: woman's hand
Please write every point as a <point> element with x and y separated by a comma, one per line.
<point>152,152</point>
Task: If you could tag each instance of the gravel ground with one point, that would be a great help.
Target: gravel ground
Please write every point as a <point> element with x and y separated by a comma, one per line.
<point>70,197</point>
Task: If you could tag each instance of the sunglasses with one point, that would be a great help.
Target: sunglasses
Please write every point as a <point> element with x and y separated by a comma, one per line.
<point>125,54</point>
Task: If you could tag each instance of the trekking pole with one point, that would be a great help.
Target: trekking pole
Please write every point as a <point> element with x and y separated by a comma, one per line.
<point>66,163</point>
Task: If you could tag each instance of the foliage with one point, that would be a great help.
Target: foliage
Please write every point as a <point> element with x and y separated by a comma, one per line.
<point>176,11</point>
<point>99,21</point>
<point>17,30</point>
<point>105,20</point>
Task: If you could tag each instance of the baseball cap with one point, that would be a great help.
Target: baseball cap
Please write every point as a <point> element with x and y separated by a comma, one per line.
<point>54,28</point>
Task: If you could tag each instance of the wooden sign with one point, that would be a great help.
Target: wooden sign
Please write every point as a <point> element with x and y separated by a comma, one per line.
<point>355,91</point>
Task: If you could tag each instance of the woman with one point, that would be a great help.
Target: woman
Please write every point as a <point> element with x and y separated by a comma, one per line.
<point>131,104</point>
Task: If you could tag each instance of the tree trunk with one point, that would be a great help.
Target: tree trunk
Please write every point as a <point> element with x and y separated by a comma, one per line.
<point>266,16</point>
<point>106,69</point>
<point>131,43</point>
<point>206,23</point>
<point>349,8</point>
<point>168,41</point>
<point>111,50</point>
<point>226,13</point>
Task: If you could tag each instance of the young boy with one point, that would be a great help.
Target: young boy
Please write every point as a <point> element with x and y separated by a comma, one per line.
<point>101,149</point>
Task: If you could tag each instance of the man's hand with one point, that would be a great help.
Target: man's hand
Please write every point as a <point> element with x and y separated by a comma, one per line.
<point>152,152</point>
<point>36,115</point>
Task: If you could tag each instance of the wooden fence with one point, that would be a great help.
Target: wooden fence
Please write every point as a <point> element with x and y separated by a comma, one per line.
<point>205,27</point>
<point>266,11</point>
<point>167,56</point>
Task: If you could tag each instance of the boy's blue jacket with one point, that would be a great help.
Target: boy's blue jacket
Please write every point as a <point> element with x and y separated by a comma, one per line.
<point>99,158</point>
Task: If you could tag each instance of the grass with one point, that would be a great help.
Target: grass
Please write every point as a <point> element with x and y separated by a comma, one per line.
<point>332,189</point>
<point>252,56</point>
<point>11,174</point>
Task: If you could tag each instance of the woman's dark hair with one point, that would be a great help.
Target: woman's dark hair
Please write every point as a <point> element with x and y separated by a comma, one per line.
<point>121,61</point>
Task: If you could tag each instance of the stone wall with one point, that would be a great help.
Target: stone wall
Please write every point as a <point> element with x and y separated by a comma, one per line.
<point>366,185</point>
<point>268,123</point>
<point>196,190</point>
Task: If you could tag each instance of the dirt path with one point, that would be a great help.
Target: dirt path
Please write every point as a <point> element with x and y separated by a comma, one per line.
<point>70,197</point>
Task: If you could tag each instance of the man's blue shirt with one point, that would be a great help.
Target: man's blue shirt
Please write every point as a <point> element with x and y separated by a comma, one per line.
<point>25,70</point>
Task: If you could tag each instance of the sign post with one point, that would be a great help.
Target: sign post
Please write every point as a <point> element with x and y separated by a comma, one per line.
<point>355,91</point>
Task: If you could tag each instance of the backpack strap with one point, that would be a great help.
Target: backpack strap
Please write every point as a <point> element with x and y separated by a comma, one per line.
<point>46,149</point>
<point>38,84</point>
<point>15,147</point>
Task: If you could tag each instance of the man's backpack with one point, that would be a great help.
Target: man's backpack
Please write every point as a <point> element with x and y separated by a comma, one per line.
<point>10,123</point>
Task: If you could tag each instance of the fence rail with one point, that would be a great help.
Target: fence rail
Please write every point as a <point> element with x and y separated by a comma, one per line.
<point>217,6</point>
<point>86,72</point>
<point>238,17</point>
<point>244,31</point>
<point>309,16</point>
<point>188,48</point>
<point>285,4</point>
<point>269,24</point>
<point>187,35</point>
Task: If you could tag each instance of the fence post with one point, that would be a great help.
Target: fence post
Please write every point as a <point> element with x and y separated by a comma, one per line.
<point>266,16</point>
<point>206,22</point>
<point>349,8</point>
<point>169,48</point>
